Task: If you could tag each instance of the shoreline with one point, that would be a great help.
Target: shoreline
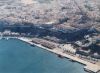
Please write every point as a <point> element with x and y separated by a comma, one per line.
<point>90,67</point>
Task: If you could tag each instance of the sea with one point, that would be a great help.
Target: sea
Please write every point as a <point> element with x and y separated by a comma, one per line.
<point>19,57</point>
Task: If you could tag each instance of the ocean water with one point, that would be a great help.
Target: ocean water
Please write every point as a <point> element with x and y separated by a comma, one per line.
<point>19,57</point>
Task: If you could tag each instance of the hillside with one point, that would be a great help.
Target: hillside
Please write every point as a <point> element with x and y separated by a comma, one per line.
<point>67,15</point>
<point>61,21</point>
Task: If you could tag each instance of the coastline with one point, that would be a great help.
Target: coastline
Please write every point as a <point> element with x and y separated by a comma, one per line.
<point>88,66</point>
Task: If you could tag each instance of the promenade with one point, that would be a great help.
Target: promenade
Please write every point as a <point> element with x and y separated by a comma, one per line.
<point>88,65</point>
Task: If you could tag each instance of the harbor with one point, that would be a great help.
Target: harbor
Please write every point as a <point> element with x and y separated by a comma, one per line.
<point>18,56</point>
<point>55,48</point>
<point>50,36</point>
<point>90,67</point>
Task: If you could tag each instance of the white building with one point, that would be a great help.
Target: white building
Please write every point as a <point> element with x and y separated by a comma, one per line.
<point>69,48</point>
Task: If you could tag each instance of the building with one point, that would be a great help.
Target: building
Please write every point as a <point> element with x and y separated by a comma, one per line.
<point>68,48</point>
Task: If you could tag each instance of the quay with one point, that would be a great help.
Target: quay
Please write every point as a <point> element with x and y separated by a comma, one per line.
<point>90,67</point>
